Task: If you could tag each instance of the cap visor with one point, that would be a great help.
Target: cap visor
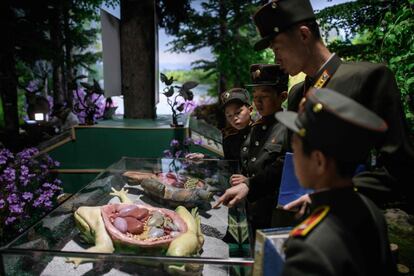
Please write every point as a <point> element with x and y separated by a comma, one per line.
<point>288,119</point>
<point>262,44</point>
<point>260,84</point>
<point>235,100</point>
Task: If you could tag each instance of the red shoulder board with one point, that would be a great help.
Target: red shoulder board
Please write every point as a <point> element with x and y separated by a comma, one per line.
<point>310,222</point>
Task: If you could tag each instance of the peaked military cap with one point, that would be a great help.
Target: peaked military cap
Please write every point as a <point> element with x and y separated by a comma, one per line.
<point>235,95</point>
<point>336,125</point>
<point>268,75</point>
<point>277,16</point>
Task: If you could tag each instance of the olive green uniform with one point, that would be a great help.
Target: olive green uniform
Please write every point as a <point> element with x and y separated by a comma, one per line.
<point>350,239</point>
<point>232,142</point>
<point>262,157</point>
<point>374,86</point>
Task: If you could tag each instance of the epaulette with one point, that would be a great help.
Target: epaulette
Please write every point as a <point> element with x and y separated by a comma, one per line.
<point>310,222</point>
<point>228,131</point>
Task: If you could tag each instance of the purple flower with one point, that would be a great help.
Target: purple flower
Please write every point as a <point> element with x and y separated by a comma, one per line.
<point>27,196</point>
<point>13,198</point>
<point>20,175</point>
<point>178,154</point>
<point>9,174</point>
<point>11,187</point>
<point>188,141</point>
<point>33,86</point>
<point>189,106</point>
<point>16,208</point>
<point>37,203</point>
<point>5,154</point>
<point>24,175</point>
<point>48,204</point>
<point>10,220</point>
<point>174,143</point>
<point>168,154</point>
<point>99,102</point>
<point>25,155</point>
<point>46,185</point>
<point>198,141</point>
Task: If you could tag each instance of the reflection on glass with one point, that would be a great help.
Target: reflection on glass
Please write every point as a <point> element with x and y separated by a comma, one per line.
<point>152,184</point>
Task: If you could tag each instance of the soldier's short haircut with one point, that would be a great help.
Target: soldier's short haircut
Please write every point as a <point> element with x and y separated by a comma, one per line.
<point>344,169</point>
<point>311,24</point>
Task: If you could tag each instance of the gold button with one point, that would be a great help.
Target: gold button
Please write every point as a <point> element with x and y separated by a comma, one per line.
<point>244,148</point>
<point>302,132</point>
<point>317,107</point>
<point>264,127</point>
<point>274,5</point>
<point>276,29</point>
<point>253,159</point>
<point>256,143</point>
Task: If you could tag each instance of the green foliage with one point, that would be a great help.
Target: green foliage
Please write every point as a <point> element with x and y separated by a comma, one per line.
<point>225,27</point>
<point>377,31</point>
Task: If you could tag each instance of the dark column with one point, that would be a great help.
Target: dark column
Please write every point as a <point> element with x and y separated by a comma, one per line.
<point>8,78</point>
<point>139,65</point>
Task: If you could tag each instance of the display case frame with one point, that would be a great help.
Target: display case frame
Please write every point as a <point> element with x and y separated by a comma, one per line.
<point>55,235</point>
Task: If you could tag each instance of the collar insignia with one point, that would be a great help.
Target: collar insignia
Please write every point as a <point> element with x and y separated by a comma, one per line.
<point>322,79</point>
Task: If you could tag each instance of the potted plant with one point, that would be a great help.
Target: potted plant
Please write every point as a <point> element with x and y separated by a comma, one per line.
<point>88,104</point>
<point>177,97</point>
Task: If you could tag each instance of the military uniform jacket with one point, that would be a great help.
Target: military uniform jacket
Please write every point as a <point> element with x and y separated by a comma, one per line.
<point>374,86</point>
<point>345,235</point>
<point>232,142</point>
<point>262,155</point>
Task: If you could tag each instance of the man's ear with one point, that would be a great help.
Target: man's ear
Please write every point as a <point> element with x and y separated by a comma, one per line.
<point>251,108</point>
<point>320,162</point>
<point>305,34</point>
<point>283,96</point>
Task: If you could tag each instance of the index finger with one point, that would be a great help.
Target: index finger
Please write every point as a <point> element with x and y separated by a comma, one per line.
<point>218,203</point>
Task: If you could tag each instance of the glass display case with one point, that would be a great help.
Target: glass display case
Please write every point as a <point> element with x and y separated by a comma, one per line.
<point>55,244</point>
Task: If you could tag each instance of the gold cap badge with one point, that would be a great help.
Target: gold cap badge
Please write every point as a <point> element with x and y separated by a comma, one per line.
<point>256,74</point>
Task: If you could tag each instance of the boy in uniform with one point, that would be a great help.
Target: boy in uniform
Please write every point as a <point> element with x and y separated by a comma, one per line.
<point>237,109</point>
<point>346,234</point>
<point>263,151</point>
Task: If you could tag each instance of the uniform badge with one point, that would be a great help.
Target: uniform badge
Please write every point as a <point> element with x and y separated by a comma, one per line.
<point>322,79</point>
<point>225,96</point>
<point>308,224</point>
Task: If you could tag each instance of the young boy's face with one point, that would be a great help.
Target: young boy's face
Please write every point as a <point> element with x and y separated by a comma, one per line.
<point>238,115</point>
<point>267,101</point>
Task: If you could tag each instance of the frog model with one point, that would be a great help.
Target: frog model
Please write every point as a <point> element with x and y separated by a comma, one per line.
<point>132,227</point>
